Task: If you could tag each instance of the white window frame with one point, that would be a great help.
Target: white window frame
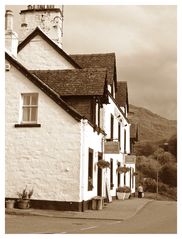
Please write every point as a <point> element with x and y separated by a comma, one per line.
<point>30,106</point>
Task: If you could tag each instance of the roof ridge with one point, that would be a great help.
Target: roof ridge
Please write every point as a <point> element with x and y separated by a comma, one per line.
<point>95,69</point>
<point>93,54</point>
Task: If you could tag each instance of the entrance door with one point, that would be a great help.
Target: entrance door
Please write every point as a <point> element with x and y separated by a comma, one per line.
<point>99,177</point>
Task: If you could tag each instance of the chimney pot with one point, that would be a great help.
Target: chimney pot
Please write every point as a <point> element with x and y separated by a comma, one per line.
<point>11,37</point>
<point>9,20</point>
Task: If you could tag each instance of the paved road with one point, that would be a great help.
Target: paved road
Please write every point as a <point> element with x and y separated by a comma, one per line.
<point>156,217</point>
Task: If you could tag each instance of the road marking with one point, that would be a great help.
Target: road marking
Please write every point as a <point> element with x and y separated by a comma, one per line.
<point>112,223</point>
<point>87,228</point>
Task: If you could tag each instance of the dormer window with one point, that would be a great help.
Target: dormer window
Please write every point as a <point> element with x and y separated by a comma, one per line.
<point>29,108</point>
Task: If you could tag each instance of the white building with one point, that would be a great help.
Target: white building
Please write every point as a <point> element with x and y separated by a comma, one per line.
<point>62,117</point>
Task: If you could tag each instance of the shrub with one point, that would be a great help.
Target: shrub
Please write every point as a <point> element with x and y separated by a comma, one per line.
<point>168,174</point>
<point>150,185</point>
<point>163,187</point>
<point>168,191</point>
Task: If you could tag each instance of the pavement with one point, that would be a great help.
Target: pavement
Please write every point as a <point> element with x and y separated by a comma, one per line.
<point>118,210</point>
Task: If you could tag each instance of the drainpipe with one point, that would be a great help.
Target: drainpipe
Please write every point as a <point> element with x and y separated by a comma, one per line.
<point>82,177</point>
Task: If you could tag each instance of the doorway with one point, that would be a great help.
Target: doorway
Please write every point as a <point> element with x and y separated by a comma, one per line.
<point>99,177</point>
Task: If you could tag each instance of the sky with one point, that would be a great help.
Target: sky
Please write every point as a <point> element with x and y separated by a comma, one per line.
<point>143,38</point>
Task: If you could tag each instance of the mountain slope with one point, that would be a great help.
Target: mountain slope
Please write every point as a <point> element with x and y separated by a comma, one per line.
<point>152,127</point>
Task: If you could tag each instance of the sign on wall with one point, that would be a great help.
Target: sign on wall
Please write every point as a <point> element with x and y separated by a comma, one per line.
<point>111,147</point>
<point>130,159</point>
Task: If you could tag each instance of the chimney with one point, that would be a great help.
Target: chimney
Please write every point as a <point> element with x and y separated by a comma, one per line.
<point>11,37</point>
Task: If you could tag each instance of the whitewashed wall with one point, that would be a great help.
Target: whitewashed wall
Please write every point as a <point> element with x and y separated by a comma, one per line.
<point>39,55</point>
<point>106,112</point>
<point>94,141</point>
<point>127,176</point>
<point>45,158</point>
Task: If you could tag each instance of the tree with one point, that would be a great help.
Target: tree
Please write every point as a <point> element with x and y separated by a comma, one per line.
<point>147,166</point>
<point>163,157</point>
<point>145,148</point>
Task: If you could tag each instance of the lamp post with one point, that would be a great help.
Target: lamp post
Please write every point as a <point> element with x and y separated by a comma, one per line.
<point>157,181</point>
<point>165,146</point>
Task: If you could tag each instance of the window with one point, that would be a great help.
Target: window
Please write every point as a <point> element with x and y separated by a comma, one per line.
<point>132,177</point>
<point>119,179</point>
<point>112,126</point>
<point>99,176</point>
<point>29,108</point>
<point>90,169</point>
<point>119,131</point>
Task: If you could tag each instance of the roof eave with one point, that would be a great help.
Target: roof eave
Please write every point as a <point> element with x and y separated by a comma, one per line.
<point>118,106</point>
<point>49,92</point>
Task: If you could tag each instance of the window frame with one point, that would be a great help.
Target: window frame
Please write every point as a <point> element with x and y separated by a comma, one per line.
<point>119,132</point>
<point>111,174</point>
<point>29,106</point>
<point>90,168</point>
<point>111,126</point>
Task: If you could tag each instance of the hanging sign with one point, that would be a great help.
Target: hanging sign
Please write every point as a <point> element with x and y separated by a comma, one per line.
<point>111,147</point>
<point>130,159</point>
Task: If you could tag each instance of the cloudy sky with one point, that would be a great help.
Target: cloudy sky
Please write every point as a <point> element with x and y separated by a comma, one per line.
<point>144,40</point>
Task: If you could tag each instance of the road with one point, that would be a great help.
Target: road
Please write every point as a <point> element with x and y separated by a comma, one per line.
<point>156,217</point>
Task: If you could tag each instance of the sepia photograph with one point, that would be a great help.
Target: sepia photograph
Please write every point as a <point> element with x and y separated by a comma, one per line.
<point>91,118</point>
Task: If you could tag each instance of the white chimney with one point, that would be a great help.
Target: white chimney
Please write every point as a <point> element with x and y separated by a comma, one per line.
<point>11,37</point>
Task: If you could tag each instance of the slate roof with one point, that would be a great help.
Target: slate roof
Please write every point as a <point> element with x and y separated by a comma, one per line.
<point>77,82</point>
<point>107,60</point>
<point>45,88</point>
<point>122,94</point>
<point>81,61</point>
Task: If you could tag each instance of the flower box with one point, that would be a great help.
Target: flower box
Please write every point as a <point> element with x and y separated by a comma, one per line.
<point>123,192</point>
<point>103,164</point>
<point>122,196</point>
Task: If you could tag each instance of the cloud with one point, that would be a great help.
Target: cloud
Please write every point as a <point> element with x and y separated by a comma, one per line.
<point>144,39</point>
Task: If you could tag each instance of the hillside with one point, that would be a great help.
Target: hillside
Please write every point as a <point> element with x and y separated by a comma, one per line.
<point>152,127</point>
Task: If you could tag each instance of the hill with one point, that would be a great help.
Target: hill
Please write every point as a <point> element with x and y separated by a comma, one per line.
<point>152,127</point>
